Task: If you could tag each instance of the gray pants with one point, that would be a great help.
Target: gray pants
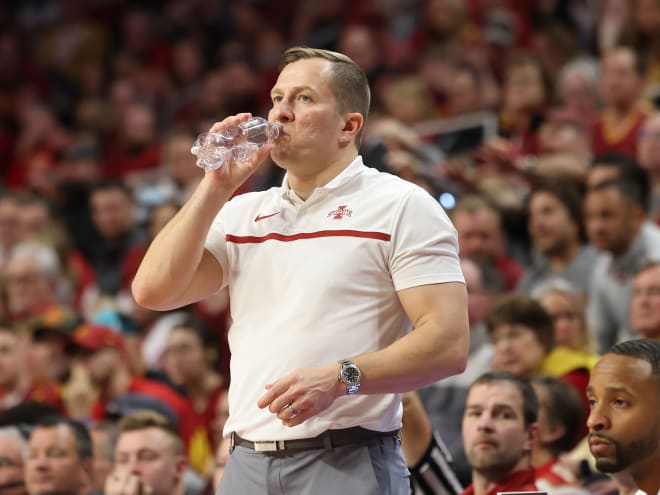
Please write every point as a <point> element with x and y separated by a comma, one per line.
<point>375,468</point>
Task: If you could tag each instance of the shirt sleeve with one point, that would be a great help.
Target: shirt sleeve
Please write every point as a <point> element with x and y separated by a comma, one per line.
<point>424,243</point>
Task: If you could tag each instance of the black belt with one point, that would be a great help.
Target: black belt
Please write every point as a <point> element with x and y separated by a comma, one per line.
<point>326,440</point>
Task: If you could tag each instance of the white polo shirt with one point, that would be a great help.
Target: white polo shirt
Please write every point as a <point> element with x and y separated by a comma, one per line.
<point>315,281</point>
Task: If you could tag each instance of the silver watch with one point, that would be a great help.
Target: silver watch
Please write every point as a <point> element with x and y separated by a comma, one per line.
<point>350,375</point>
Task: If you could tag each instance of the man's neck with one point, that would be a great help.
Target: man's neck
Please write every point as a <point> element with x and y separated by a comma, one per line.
<point>304,184</point>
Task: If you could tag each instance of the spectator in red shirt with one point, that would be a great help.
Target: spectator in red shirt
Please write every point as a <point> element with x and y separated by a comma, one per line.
<point>189,358</point>
<point>482,239</point>
<point>499,431</point>
<point>17,383</point>
<point>624,112</point>
<point>103,354</point>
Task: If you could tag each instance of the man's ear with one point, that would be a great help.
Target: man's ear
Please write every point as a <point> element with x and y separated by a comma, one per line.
<point>353,123</point>
<point>532,437</point>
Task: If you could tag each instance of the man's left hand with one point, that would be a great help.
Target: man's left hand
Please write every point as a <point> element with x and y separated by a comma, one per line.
<point>303,393</point>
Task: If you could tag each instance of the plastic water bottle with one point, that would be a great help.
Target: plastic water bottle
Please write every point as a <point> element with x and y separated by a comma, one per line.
<point>214,149</point>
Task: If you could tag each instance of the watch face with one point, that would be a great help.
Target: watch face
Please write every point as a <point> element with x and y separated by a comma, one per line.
<point>351,374</point>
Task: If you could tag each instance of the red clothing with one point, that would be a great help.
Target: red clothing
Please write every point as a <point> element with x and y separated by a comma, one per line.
<point>41,390</point>
<point>621,137</point>
<point>554,474</point>
<point>522,481</point>
<point>189,422</point>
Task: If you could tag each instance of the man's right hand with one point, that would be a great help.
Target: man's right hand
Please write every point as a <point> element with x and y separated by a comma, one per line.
<point>231,175</point>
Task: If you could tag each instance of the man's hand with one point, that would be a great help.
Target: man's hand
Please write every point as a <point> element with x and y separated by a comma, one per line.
<point>232,174</point>
<point>303,393</point>
<point>124,483</point>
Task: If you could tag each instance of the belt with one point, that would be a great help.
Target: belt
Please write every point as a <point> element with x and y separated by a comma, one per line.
<point>326,440</point>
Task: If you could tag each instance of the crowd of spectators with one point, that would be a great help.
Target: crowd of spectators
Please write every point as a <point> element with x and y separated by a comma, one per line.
<point>535,124</point>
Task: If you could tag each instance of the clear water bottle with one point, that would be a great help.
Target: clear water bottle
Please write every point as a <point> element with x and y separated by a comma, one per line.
<point>214,149</point>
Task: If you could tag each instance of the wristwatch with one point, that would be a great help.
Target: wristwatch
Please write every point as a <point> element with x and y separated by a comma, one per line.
<point>349,375</point>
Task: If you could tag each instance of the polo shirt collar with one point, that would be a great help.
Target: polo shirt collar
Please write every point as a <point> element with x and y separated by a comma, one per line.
<point>353,169</point>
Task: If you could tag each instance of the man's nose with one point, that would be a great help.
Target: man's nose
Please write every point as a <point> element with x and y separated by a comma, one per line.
<point>281,112</point>
<point>597,420</point>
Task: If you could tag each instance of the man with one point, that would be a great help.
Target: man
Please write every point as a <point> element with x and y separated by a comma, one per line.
<point>13,449</point>
<point>482,239</point>
<point>324,274</point>
<point>645,302</point>
<point>149,457</point>
<point>32,278</point>
<point>615,221</point>
<point>113,214</point>
<point>59,458</point>
<point>499,431</point>
<point>102,352</point>
<point>621,86</point>
<point>624,425</point>
<point>555,227</point>
<point>19,382</point>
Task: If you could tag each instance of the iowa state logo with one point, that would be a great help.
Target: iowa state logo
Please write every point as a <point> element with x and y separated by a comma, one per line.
<point>341,212</point>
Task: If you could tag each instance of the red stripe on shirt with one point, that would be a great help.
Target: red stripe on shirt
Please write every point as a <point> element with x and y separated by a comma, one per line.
<point>253,239</point>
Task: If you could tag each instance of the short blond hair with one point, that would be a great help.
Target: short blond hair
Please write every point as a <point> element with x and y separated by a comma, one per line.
<point>144,419</point>
<point>349,83</point>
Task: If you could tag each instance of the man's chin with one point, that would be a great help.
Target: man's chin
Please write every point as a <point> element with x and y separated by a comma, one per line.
<point>607,466</point>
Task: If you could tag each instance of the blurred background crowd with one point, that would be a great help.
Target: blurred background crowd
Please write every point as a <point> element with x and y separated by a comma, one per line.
<point>535,124</point>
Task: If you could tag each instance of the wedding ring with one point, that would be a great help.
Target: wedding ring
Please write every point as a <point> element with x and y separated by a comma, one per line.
<point>293,411</point>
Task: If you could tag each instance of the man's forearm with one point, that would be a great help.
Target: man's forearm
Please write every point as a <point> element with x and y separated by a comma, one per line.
<point>167,270</point>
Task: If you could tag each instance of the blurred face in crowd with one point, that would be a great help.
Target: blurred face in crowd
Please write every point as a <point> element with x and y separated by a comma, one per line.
<point>523,88</point>
<point>101,365</point>
<point>567,321</point>
<point>551,227</point>
<point>152,456</point>
<point>494,433</point>
<point>112,212</point>
<point>53,465</point>
<point>612,221</point>
<point>624,424</point>
<point>479,234</point>
<point>11,359</point>
<point>11,466</point>
<point>645,303</point>
<point>27,285</point>
<point>648,145</point>
<point>33,219</point>
<point>647,16</point>
<point>620,83</point>
<point>359,43</point>
<point>184,359</point>
<point>517,349</point>
<point>464,93</point>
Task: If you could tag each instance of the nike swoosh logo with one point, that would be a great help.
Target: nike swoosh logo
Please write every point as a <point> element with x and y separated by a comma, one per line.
<point>260,217</point>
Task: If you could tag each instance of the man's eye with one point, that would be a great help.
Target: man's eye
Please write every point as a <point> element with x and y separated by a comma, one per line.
<point>277,99</point>
<point>304,98</point>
